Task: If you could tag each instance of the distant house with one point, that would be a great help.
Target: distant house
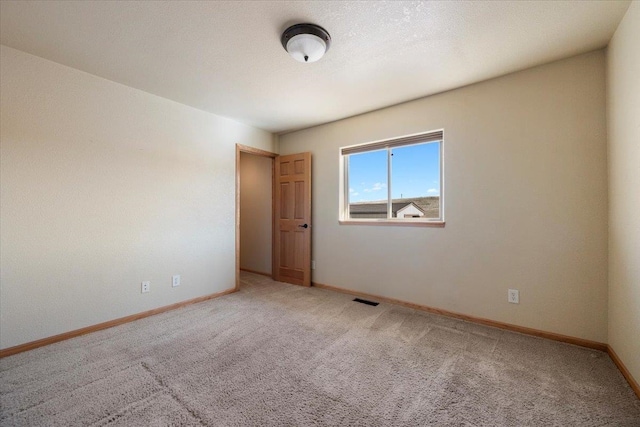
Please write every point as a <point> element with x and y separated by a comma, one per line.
<point>409,211</point>
<point>379,210</point>
<point>415,207</point>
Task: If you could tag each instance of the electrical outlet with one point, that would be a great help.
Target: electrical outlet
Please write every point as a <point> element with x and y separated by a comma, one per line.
<point>146,287</point>
<point>176,281</point>
<point>514,296</point>
<point>313,265</point>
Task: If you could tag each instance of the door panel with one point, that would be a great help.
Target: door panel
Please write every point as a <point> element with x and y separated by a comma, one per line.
<point>293,213</point>
<point>284,200</point>
<point>299,199</point>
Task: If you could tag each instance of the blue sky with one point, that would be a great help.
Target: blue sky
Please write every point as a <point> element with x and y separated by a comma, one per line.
<point>414,173</point>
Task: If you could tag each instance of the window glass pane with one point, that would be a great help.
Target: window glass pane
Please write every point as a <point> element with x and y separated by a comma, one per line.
<point>415,181</point>
<point>368,185</point>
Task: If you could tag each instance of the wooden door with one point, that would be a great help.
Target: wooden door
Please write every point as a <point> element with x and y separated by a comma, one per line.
<point>292,216</point>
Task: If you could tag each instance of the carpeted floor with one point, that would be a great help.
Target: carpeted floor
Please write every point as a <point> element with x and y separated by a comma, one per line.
<point>276,354</point>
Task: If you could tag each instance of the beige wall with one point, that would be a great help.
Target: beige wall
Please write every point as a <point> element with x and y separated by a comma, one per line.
<point>526,202</point>
<point>623,114</point>
<point>103,186</point>
<point>256,187</point>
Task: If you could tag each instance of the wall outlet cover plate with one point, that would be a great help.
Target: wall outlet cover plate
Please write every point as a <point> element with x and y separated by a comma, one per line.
<point>513,296</point>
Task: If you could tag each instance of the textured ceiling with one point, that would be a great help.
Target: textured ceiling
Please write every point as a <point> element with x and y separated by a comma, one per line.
<point>226,57</point>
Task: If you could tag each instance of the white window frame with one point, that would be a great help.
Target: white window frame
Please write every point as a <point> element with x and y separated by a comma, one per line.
<point>431,137</point>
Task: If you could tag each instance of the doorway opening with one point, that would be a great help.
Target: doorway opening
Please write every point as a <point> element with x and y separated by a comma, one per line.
<point>254,211</point>
<point>273,215</point>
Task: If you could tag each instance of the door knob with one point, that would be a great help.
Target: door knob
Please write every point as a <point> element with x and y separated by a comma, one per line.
<point>304,225</point>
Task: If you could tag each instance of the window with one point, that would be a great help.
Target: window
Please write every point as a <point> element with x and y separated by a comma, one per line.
<point>395,181</point>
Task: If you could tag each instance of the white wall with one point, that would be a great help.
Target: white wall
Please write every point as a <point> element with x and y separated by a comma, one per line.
<point>526,202</point>
<point>623,114</point>
<point>103,186</point>
<point>256,204</point>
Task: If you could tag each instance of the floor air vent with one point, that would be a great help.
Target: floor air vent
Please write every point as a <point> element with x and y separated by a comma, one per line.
<point>364,301</point>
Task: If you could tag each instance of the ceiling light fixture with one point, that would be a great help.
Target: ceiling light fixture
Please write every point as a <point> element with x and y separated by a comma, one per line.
<point>306,42</point>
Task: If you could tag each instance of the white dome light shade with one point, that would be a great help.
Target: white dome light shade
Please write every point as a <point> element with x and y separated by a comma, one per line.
<point>306,42</point>
<point>306,47</point>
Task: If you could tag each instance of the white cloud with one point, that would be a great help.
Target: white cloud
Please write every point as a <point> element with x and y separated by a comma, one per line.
<point>432,191</point>
<point>355,194</point>
<point>376,187</point>
<point>351,190</point>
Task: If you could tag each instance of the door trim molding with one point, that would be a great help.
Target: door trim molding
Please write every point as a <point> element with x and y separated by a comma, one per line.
<point>258,152</point>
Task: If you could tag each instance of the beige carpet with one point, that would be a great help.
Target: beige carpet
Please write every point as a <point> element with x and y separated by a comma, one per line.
<point>276,354</point>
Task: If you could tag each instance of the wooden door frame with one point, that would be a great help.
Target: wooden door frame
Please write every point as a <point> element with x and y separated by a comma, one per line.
<point>258,152</point>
